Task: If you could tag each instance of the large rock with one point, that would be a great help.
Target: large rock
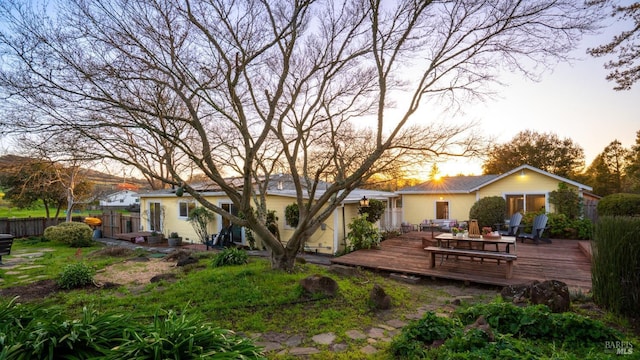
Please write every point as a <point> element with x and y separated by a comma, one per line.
<point>318,284</point>
<point>553,293</point>
<point>379,298</point>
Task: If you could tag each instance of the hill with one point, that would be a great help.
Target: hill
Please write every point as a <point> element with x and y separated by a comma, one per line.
<point>103,182</point>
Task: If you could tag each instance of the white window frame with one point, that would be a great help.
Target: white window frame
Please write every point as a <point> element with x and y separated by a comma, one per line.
<point>190,205</point>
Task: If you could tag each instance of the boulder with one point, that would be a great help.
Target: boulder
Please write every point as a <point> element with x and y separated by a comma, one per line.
<point>379,298</point>
<point>553,293</point>
<point>319,284</point>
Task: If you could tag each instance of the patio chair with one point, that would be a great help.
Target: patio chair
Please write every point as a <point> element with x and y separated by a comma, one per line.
<point>514,225</point>
<point>537,229</point>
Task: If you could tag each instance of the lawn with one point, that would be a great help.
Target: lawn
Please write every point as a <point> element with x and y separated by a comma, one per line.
<point>252,299</point>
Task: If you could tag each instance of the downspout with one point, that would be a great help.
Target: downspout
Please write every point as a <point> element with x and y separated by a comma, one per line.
<point>335,230</point>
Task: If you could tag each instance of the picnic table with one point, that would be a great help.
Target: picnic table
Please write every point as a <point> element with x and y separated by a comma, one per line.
<point>444,247</point>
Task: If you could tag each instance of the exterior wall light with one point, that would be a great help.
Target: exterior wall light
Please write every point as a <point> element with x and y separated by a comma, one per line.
<point>364,202</point>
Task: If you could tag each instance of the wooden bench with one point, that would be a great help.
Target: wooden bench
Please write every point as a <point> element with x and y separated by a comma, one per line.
<point>6,240</point>
<point>508,258</point>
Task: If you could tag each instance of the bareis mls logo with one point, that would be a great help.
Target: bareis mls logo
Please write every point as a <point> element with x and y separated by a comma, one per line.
<point>618,347</point>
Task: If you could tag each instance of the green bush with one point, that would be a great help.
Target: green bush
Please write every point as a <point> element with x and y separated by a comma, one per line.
<point>230,256</point>
<point>363,234</point>
<point>374,211</point>
<point>562,227</point>
<point>615,264</point>
<point>416,337</point>
<point>75,275</point>
<point>292,214</point>
<point>619,205</point>
<point>74,234</point>
<point>489,211</point>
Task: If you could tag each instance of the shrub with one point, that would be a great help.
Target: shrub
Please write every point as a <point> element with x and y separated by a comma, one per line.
<point>74,234</point>
<point>75,275</point>
<point>619,205</point>
<point>363,234</point>
<point>374,211</point>
<point>615,264</point>
<point>489,211</point>
<point>230,256</point>
<point>292,215</point>
<point>566,201</point>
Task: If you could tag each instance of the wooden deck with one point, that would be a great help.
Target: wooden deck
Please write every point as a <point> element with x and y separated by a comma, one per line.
<point>562,260</point>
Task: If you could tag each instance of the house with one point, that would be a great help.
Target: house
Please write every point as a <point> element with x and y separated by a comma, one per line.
<point>163,211</point>
<point>524,188</point>
<point>120,199</point>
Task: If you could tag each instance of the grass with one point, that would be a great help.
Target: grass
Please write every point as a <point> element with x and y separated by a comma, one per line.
<point>248,299</point>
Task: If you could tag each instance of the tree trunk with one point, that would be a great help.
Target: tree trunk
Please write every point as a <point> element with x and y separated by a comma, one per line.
<point>284,260</point>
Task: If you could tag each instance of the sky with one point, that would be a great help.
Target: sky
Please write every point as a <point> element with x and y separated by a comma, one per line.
<point>574,101</point>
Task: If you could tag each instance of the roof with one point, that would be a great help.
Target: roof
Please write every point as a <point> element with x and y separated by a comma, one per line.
<point>468,184</point>
<point>449,185</point>
<point>279,185</point>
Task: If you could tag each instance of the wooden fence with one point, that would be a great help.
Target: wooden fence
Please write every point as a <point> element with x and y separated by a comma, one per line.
<point>116,223</point>
<point>112,223</point>
<point>25,227</point>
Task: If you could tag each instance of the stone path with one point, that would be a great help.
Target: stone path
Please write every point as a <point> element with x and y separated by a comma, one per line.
<point>19,262</point>
<point>368,339</point>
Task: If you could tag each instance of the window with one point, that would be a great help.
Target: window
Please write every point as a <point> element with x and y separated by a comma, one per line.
<point>525,203</point>
<point>442,209</point>
<point>184,208</point>
<point>155,216</point>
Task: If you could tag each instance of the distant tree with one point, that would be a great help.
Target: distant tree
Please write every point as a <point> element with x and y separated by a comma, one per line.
<point>35,179</point>
<point>607,171</point>
<point>542,150</point>
<point>633,167</point>
<point>625,70</point>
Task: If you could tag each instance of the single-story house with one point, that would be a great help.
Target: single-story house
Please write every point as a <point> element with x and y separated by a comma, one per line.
<point>525,189</point>
<point>163,211</point>
<point>120,199</point>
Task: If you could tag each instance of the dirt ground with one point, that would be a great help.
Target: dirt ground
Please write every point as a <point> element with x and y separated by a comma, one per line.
<point>133,271</point>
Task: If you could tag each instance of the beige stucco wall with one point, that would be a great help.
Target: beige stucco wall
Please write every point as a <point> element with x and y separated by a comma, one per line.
<point>419,207</point>
<point>530,183</point>
<point>322,240</point>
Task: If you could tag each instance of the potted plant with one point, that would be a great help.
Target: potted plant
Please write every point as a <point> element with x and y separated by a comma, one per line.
<point>154,238</point>
<point>174,239</point>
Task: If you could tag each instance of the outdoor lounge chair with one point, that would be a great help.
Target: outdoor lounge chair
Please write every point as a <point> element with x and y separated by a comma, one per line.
<point>537,229</point>
<point>223,239</point>
<point>514,225</point>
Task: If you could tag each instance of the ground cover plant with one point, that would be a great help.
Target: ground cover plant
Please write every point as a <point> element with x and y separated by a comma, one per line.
<point>500,330</point>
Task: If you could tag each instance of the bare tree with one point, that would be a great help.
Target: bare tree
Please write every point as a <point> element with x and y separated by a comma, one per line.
<point>249,88</point>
